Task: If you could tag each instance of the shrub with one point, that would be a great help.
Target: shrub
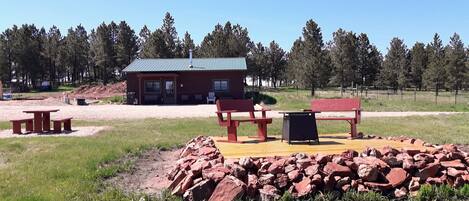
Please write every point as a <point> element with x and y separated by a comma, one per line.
<point>370,196</point>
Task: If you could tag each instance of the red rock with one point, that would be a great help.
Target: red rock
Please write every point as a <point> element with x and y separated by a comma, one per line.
<point>230,188</point>
<point>408,165</point>
<point>290,168</point>
<point>312,170</point>
<point>238,171</point>
<point>329,182</point>
<point>397,176</point>
<point>170,175</point>
<point>264,167</point>
<point>294,175</point>
<point>246,162</point>
<point>268,193</point>
<point>362,189</point>
<point>429,171</point>
<point>367,172</point>
<point>378,186</point>
<point>441,157</point>
<point>371,152</point>
<point>450,148</point>
<point>291,160</point>
<point>465,178</point>
<point>304,187</point>
<point>424,157</point>
<point>458,182</point>
<point>434,181</point>
<point>403,156</point>
<point>266,179</point>
<point>370,161</point>
<point>346,187</point>
<point>304,163</point>
<point>349,154</point>
<point>317,180</point>
<point>215,173</point>
<point>177,179</point>
<point>337,170</point>
<point>420,164</point>
<point>200,191</point>
<point>252,185</point>
<point>277,167</point>
<point>185,184</point>
<point>206,150</point>
<point>392,161</point>
<point>322,158</point>
<point>338,159</point>
<point>456,155</point>
<point>454,164</point>
<point>455,173</point>
<point>281,181</point>
<point>400,193</point>
<point>340,182</point>
<point>387,150</point>
<point>411,151</point>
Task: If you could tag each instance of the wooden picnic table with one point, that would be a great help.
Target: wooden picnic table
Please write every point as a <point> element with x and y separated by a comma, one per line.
<point>41,119</point>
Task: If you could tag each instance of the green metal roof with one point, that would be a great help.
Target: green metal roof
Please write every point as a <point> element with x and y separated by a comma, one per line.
<point>182,64</point>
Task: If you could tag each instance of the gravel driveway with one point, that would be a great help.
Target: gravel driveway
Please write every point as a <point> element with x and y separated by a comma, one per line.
<point>8,112</point>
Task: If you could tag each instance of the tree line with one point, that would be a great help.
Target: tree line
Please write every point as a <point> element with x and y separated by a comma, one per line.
<point>30,55</point>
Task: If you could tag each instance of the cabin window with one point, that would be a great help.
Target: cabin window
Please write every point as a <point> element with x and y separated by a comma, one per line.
<point>152,86</point>
<point>220,85</point>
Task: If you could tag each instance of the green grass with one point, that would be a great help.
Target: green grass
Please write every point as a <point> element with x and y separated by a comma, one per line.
<point>291,99</point>
<point>73,168</point>
<point>36,93</point>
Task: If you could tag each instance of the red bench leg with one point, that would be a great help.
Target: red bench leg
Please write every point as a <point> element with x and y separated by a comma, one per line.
<point>46,122</point>
<point>29,125</point>
<point>353,129</point>
<point>37,122</point>
<point>262,131</point>
<point>16,127</point>
<point>232,134</point>
<point>68,125</point>
<point>57,126</point>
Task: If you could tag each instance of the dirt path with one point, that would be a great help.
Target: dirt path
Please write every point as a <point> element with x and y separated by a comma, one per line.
<point>8,112</point>
<point>148,175</point>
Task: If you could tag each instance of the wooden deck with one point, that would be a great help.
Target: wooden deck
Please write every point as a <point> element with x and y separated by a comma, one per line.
<point>329,144</point>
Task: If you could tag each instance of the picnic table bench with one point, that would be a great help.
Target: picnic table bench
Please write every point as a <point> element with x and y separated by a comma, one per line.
<point>339,105</point>
<point>230,106</point>
<point>17,125</point>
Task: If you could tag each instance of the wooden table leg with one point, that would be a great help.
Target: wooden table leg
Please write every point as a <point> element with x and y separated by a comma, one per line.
<point>37,122</point>
<point>46,121</point>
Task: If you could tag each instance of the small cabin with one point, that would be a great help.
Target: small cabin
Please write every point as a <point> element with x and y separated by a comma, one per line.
<point>184,81</point>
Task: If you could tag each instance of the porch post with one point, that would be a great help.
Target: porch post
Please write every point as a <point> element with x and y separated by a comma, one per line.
<point>175,91</point>
<point>139,89</point>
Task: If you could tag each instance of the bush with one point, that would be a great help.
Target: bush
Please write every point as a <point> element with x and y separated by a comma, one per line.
<point>370,196</point>
<point>259,97</point>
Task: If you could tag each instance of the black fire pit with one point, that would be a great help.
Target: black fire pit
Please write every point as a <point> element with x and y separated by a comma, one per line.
<point>299,126</point>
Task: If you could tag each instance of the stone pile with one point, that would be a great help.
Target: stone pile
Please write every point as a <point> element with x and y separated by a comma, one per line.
<point>202,173</point>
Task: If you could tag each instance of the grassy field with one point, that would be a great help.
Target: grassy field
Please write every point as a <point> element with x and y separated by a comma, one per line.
<point>66,168</point>
<point>292,99</point>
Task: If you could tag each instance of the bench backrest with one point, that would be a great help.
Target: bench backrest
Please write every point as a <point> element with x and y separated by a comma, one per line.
<point>240,105</point>
<point>332,105</point>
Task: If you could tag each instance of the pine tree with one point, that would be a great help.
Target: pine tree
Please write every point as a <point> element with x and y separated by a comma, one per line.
<point>434,76</point>
<point>308,58</point>
<point>227,41</point>
<point>187,44</point>
<point>170,37</point>
<point>51,51</point>
<point>104,52</point>
<point>344,56</point>
<point>418,64</point>
<point>395,70</point>
<point>369,61</point>
<point>277,63</point>
<point>456,59</point>
<point>144,34</point>
<point>258,64</point>
<point>126,46</point>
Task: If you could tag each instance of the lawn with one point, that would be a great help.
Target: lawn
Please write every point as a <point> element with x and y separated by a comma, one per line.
<point>63,168</point>
<point>291,99</point>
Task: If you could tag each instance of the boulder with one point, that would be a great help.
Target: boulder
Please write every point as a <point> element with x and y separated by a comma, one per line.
<point>322,158</point>
<point>457,164</point>
<point>411,151</point>
<point>177,179</point>
<point>370,160</point>
<point>397,176</point>
<point>269,193</point>
<point>434,181</point>
<point>429,171</point>
<point>335,169</point>
<point>266,179</point>
<point>303,187</point>
<point>303,163</point>
<point>206,150</point>
<point>289,168</point>
<point>294,175</point>
<point>392,161</point>
<point>349,154</point>
<point>252,185</point>
<point>338,159</point>
<point>281,181</point>
<point>215,173</point>
<point>200,191</point>
<point>312,170</point>
<point>414,184</point>
<point>367,172</point>
<point>316,180</point>
<point>378,186</point>
<point>230,189</point>
<point>246,162</point>
<point>400,193</point>
<point>238,171</point>
<point>277,167</point>
<point>454,172</point>
<point>388,151</point>
<point>427,158</point>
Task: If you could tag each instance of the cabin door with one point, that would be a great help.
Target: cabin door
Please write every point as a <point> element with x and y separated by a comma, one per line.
<point>169,92</point>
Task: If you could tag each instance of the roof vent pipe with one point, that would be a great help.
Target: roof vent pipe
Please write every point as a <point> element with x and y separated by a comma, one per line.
<point>190,58</point>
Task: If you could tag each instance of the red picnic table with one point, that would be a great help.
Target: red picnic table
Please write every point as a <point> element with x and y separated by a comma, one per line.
<point>41,119</point>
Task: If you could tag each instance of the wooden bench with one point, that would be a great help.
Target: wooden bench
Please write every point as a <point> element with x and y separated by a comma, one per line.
<point>58,124</point>
<point>228,107</point>
<point>340,105</point>
<point>16,124</point>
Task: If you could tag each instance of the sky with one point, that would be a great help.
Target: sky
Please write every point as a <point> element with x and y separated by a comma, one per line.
<point>282,21</point>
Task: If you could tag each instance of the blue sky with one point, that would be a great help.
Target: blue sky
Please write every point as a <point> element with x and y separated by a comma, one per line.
<point>282,21</point>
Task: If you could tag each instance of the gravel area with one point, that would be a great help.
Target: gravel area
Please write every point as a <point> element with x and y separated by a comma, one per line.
<point>172,111</point>
<point>76,132</point>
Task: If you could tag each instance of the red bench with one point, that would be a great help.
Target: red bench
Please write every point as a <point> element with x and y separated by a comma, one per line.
<point>58,124</point>
<point>340,105</point>
<point>228,107</point>
<point>16,124</point>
